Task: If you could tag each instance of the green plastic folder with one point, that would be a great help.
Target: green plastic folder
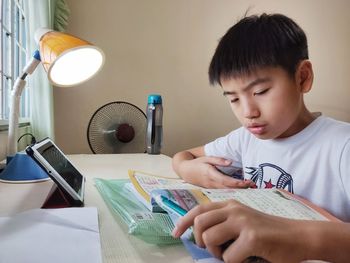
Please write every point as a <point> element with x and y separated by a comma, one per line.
<point>154,228</point>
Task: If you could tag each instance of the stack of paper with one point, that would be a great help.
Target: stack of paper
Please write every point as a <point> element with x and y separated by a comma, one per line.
<point>51,235</point>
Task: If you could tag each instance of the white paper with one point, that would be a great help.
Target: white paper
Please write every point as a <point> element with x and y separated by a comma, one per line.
<point>51,235</point>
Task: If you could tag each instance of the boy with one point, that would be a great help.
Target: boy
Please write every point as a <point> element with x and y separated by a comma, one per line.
<point>262,65</point>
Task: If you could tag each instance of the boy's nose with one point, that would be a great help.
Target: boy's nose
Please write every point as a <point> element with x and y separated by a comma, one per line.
<point>250,111</point>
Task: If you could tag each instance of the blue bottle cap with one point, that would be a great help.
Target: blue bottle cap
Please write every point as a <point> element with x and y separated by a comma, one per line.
<point>154,99</point>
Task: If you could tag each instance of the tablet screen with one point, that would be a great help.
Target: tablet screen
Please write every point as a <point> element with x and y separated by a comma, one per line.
<point>62,166</point>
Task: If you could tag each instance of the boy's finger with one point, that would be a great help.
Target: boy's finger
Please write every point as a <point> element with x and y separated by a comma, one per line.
<point>237,252</point>
<point>228,229</point>
<point>187,221</point>
<point>245,183</point>
<point>218,161</point>
<point>205,221</point>
<point>238,184</point>
<point>228,181</point>
<point>214,184</point>
<point>219,237</point>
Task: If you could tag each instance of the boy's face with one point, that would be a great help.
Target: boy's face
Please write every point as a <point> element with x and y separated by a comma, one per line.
<point>268,102</point>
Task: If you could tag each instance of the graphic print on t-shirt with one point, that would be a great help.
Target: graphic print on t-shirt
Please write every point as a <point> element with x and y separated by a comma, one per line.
<point>268,175</point>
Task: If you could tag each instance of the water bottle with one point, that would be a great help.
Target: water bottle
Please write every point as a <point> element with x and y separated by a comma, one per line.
<point>154,135</point>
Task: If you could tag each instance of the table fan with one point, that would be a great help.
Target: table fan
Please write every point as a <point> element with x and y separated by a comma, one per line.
<point>117,127</point>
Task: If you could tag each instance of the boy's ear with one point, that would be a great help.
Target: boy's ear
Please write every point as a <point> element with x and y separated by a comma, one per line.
<point>304,76</point>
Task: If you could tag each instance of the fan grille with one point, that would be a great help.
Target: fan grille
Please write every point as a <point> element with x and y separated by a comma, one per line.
<point>103,128</point>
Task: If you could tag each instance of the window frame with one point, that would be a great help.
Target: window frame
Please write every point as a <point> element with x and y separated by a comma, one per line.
<point>13,57</point>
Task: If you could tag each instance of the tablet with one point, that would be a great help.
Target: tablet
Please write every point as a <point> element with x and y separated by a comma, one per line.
<point>67,178</point>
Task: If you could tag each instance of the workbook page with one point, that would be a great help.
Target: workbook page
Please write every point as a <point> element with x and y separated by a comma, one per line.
<point>149,183</point>
<point>269,201</point>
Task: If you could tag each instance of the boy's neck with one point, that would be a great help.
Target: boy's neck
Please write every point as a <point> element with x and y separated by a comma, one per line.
<point>302,122</point>
<point>304,119</point>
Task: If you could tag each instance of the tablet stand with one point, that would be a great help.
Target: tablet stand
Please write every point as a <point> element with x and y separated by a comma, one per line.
<point>57,199</point>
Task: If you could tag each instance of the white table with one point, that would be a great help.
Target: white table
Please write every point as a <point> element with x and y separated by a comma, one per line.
<point>117,244</point>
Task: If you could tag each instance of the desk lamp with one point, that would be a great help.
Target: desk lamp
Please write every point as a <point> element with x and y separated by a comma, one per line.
<point>68,61</point>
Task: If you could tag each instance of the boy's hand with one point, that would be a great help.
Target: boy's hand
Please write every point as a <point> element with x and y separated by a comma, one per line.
<point>216,225</point>
<point>202,171</point>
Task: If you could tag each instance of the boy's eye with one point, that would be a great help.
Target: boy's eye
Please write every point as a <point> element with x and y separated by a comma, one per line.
<point>260,92</point>
<point>234,100</point>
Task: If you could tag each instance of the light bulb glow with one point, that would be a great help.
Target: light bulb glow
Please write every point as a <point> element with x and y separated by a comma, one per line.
<point>75,66</point>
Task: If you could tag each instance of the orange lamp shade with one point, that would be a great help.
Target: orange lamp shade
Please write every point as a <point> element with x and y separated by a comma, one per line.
<point>67,59</point>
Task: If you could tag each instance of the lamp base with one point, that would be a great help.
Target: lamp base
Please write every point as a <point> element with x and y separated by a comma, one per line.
<point>21,168</point>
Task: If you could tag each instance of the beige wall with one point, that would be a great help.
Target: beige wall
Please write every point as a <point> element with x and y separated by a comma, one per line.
<point>165,46</point>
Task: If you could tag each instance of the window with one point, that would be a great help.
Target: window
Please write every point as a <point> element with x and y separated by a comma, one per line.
<point>13,54</point>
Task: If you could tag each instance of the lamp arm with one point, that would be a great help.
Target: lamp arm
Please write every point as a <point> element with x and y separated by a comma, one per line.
<point>16,93</point>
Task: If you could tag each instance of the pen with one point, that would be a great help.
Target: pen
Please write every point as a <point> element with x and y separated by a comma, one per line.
<point>170,205</point>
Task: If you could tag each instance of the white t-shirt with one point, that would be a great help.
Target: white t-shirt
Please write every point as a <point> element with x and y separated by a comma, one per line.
<point>314,163</point>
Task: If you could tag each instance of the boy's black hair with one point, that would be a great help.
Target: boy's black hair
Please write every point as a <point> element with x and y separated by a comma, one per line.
<point>257,42</point>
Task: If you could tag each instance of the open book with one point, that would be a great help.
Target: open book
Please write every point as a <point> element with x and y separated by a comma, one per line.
<point>182,196</point>
<point>276,202</point>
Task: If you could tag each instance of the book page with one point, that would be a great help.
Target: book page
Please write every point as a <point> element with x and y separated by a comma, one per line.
<point>270,201</point>
<point>149,183</point>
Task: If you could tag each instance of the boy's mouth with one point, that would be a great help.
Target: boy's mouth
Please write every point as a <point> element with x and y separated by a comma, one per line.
<point>257,128</point>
